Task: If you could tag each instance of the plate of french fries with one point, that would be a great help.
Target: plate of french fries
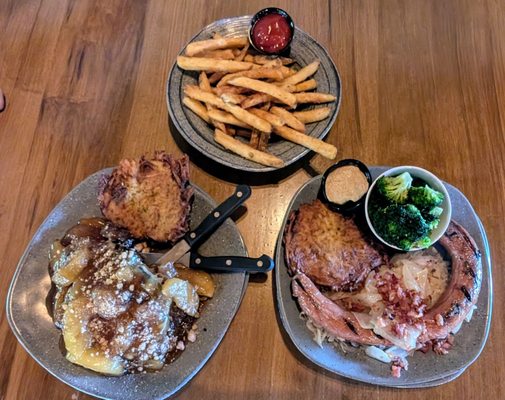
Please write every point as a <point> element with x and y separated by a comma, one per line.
<point>249,111</point>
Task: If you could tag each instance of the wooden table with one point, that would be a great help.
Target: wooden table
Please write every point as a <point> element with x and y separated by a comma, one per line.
<point>423,83</point>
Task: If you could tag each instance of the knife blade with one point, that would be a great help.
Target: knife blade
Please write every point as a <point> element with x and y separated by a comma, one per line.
<point>174,254</point>
<point>206,227</point>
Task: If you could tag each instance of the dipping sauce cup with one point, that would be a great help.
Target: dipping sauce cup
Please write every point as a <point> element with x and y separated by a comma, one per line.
<point>347,192</point>
<point>271,31</point>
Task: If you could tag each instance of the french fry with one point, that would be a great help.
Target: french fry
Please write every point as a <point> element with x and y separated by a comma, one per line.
<point>252,120</point>
<point>248,118</point>
<point>226,118</point>
<point>197,107</point>
<point>229,89</point>
<point>250,58</point>
<point>203,82</point>
<point>219,54</point>
<point>255,99</point>
<point>196,93</point>
<point>314,97</point>
<point>287,71</point>
<point>205,86</point>
<point>254,140</point>
<point>264,87</point>
<point>195,48</point>
<point>275,63</point>
<point>314,115</point>
<point>303,74</point>
<point>263,141</point>
<point>286,60</point>
<point>245,133</point>
<point>232,98</point>
<point>325,149</point>
<point>216,76</point>
<point>273,119</point>
<point>211,64</point>
<point>258,73</point>
<point>246,151</point>
<point>305,86</point>
<point>266,59</point>
<point>288,118</point>
<point>240,56</point>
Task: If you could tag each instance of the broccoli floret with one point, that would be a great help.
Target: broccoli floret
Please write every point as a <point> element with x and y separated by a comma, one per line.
<point>432,217</point>
<point>400,225</point>
<point>395,188</point>
<point>424,242</point>
<point>425,197</point>
<point>436,212</point>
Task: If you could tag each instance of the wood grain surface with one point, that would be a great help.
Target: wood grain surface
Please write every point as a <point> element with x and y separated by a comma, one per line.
<point>423,83</point>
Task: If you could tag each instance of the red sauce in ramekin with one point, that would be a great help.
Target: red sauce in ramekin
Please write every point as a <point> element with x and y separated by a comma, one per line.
<point>271,33</point>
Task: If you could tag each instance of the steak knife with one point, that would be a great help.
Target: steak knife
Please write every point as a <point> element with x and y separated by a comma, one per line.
<point>195,237</point>
<point>219,263</point>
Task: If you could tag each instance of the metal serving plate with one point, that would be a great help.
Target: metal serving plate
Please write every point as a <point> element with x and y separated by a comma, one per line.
<point>425,370</point>
<point>33,327</point>
<point>304,49</point>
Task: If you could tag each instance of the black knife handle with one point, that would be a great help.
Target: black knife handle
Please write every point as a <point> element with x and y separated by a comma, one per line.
<point>218,216</point>
<point>231,264</point>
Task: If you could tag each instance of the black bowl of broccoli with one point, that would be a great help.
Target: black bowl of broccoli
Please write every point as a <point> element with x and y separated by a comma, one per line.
<point>408,208</point>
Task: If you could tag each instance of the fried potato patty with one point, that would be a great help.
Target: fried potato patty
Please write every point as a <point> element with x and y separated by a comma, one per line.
<point>328,247</point>
<point>150,198</point>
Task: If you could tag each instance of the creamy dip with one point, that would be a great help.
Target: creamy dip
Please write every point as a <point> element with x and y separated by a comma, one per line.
<point>345,184</point>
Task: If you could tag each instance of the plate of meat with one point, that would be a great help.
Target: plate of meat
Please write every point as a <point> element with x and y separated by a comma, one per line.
<point>146,333</point>
<point>331,274</point>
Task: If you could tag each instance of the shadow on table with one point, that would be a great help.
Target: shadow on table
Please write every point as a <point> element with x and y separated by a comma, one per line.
<point>234,175</point>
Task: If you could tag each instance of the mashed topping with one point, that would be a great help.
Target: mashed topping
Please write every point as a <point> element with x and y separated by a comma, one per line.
<point>345,184</point>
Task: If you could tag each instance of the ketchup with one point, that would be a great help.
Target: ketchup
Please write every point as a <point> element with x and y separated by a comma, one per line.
<point>271,33</point>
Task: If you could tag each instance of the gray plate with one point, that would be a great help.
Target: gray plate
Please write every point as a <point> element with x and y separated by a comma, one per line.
<point>425,370</point>
<point>33,327</point>
<point>304,49</point>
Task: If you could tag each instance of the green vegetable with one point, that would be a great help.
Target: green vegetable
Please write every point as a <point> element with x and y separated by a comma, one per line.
<point>395,188</point>
<point>401,225</point>
<point>423,242</point>
<point>432,217</point>
<point>424,197</point>
<point>436,212</point>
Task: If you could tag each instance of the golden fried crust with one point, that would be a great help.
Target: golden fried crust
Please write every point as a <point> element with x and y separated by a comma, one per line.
<point>150,198</point>
<point>328,248</point>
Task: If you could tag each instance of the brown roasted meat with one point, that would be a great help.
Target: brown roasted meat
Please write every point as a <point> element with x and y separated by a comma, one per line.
<point>150,198</point>
<point>328,248</point>
<point>463,288</point>
<point>438,323</point>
